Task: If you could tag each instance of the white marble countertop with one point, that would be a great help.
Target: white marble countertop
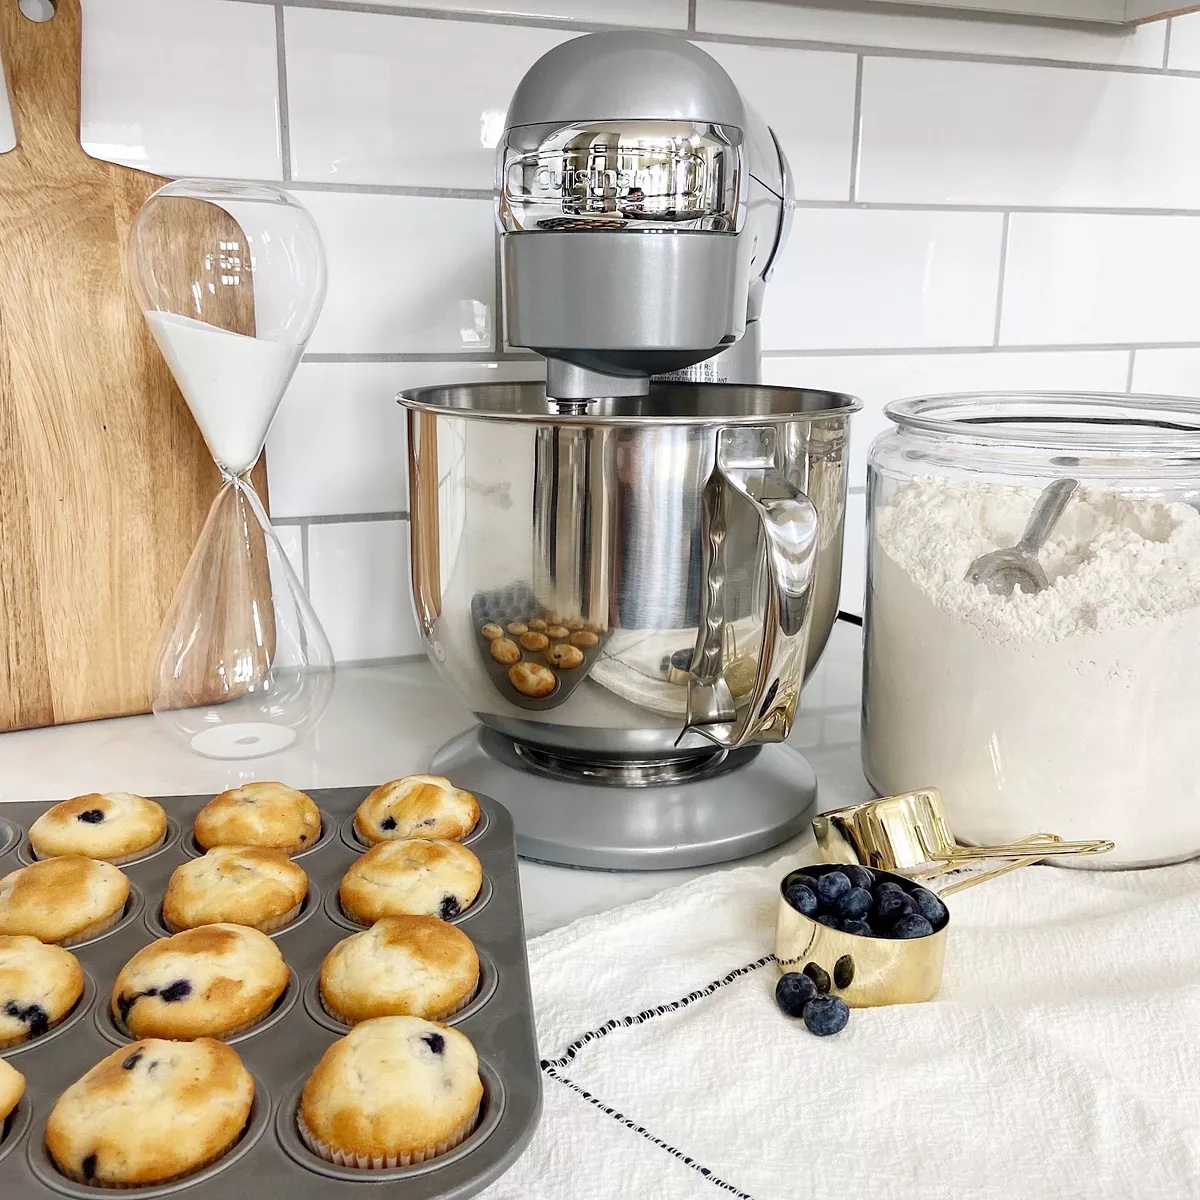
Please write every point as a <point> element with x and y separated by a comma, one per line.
<point>387,720</point>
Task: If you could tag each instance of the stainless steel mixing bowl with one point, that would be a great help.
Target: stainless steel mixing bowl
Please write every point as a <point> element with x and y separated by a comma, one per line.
<point>689,542</point>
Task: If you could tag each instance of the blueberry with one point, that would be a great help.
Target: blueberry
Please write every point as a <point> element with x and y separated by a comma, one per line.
<point>830,920</point>
<point>818,975</point>
<point>843,972</point>
<point>912,925</point>
<point>179,990</point>
<point>888,885</point>
<point>793,992</point>
<point>831,886</point>
<point>89,1167</point>
<point>808,881</point>
<point>889,907</point>
<point>854,904</point>
<point>388,823</point>
<point>132,1061</point>
<point>33,1015</point>
<point>929,906</point>
<point>93,816</point>
<point>861,928</point>
<point>435,1041</point>
<point>449,907</point>
<point>859,877</point>
<point>802,899</point>
<point>826,1015</point>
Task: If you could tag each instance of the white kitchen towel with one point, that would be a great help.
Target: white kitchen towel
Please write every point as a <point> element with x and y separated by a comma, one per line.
<point>1060,1059</point>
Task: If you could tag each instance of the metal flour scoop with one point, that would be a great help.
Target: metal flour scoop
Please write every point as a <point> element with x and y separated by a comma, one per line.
<point>1003,571</point>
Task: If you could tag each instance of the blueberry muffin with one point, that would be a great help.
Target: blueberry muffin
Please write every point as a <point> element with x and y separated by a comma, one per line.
<point>63,900</point>
<point>215,981</point>
<point>505,650</point>
<point>411,876</point>
<point>239,885</point>
<point>516,628</point>
<point>585,639</point>
<point>149,1113</point>
<point>401,966</point>
<point>537,625</point>
<point>259,814</point>
<point>532,679</point>
<point>393,1092</point>
<point>116,827</point>
<point>39,986</point>
<point>12,1088</point>
<point>417,806</point>
<point>557,632</point>
<point>491,631</point>
<point>534,642</point>
<point>565,658</point>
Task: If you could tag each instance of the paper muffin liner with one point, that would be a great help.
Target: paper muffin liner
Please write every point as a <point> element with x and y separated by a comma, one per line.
<point>119,861</point>
<point>96,928</point>
<point>366,1162</point>
<point>267,926</point>
<point>78,1177</point>
<point>440,1015</point>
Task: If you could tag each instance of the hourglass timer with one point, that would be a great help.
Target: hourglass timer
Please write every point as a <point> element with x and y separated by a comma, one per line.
<point>231,278</point>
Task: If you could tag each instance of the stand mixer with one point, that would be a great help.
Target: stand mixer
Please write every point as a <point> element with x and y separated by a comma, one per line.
<point>629,572</point>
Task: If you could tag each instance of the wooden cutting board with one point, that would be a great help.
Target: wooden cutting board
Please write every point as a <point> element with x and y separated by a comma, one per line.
<point>104,478</point>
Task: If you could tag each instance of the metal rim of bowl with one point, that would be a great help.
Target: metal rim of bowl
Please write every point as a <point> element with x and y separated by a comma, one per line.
<point>335,912</point>
<point>425,400</point>
<point>309,905</point>
<point>329,831</point>
<point>288,1136</point>
<point>25,852</point>
<point>47,1174</point>
<point>488,980</point>
<point>107,1027</point>
<point>1144,421</point>
<point>350,835</point>
<point>87,999</point>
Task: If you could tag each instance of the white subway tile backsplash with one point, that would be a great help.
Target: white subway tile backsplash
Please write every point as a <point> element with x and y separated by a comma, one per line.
<point>1167,372</point>
<point>1095,278</point>
<point>981,133</point>
<point>878,379</point>
<point>852,278</point>
<point>338,444</point>
<point>810,98</point>
<point>1185,43</point>
<point>358,583</point>
<point>854,556</point>
<point>659,14</point>
<point>407,274</point>
<point>1140,46</point>
<point>291,538</point>
<point>181,87</point>
<point>356,82</point>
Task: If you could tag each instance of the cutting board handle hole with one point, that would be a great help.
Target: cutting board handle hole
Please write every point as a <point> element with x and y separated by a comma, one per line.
<point>39,10</point>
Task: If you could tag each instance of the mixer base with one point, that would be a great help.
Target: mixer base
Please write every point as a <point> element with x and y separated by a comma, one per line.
<point>584,823</point>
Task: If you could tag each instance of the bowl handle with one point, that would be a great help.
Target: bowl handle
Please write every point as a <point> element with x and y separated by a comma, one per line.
<point>745,472</point>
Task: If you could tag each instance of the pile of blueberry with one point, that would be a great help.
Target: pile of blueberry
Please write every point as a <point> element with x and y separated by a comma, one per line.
<point>858,900</point>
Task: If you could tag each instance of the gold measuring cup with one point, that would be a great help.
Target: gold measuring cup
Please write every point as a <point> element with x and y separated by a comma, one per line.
<point>905,839</point>
<point>909,833</point>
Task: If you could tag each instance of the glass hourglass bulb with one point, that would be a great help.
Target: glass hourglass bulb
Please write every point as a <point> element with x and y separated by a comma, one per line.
<point>231,278</point>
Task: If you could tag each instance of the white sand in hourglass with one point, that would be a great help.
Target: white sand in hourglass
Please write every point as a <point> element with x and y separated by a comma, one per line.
<point>231,382</point>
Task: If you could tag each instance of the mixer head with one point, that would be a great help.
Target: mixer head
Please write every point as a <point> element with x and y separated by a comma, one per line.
<point>641,206</point>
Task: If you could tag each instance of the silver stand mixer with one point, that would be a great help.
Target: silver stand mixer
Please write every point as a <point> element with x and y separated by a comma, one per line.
<point>629,572</point>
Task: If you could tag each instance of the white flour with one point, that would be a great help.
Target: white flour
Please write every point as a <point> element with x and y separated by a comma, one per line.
<point>1073,711</point>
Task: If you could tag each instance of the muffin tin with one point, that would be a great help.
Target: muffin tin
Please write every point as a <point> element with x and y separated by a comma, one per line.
<point>270,1160</point>
<point>516,603</point>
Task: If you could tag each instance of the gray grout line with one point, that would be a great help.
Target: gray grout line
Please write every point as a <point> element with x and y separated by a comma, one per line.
<point>1037,209</point>
<point>338,519</point>
<point>1000,281</point>
<point>473,356</point>
<point>691,17</point>
<point>1129,376</point>
<point>534,22</point>
<point>1167,44</point>
<point>856,129</point>
<point>1023,348</point>
<point>390,189</point>
<point>856,491</point>
<point>285,129</point>
<point>305,571</point>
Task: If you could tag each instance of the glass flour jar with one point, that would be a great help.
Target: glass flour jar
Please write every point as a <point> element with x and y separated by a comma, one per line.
<point>1075,710</point>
